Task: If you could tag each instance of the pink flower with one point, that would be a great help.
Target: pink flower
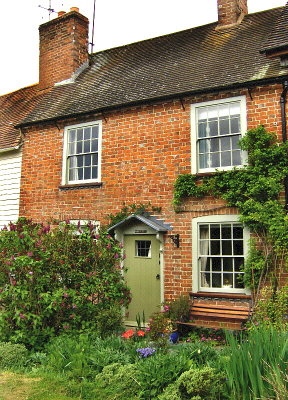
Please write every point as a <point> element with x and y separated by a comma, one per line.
<point>30,254</point>
<point>65,326</point>
<point>116,255</point>
<point>30,273</point>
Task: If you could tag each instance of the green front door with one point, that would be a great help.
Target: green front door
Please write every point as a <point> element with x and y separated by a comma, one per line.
<point>143,275</point>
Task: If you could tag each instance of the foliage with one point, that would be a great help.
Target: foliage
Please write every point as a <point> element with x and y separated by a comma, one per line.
<point>252,364</point>
<point>12,355</point>
<point>159,328</point>
<point>156,372</point>
<point>255,190</point>
<point>272,307</point>
<point>178,309</point>
<point>117,381</point>
<point>195,384</point>
<point>54,281</point>
<point>127,210</point>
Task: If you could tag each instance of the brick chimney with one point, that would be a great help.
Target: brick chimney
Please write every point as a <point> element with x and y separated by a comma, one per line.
<point>63,47</point>
<point>231,12</point>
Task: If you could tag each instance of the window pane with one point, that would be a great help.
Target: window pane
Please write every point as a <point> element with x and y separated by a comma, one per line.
<point>226,231</point>
<point>226,159</point>
<point>203,145</point>
<point>80,161</point>
<point>237,232</point>
<point>71,148</point>
<point>236,158</point>
<point>87,173</point>
<point>213,128</point>
<point>80,174</point>
<point>225,143</point>
<point>238,263</point>
<point>215,160</point>
<point>94,132</point>
<point>234,108</point>
<point>202,129</point>
<point>235,125</point>
<point>228,280</point>
<point>86,146</point>
<point>228,264</point>
<point>205,279</point>
<point>223,110</point>
<point>215,231</point>
<point>87,160</point>
<point>79,147</point>
<point>87,133</point>
<point>215,247</point>
<point>224,126</point>
<point>94,145</point>
<point>238,247</point>
<point>226,247</point>
<point>72,135</point>
<point>214,143</point>
<point>239,281</point>
<point>204,247</point>
<point>79,134</point>
<point>95,159</point>
<point>235,142</point>
<point>216,264</point>
<point>203,161</point>
<point>204,229</point>
<point>94,172</point>
<point>216,280</point>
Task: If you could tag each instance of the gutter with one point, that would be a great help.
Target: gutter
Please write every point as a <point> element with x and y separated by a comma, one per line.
<point>284,133</point>
<point>11,148</point>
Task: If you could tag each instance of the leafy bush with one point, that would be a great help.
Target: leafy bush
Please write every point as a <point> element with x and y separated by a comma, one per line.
<point>12,355</point>
<point>54,281</point>
<point>117,382</point>
<point>195,384</point>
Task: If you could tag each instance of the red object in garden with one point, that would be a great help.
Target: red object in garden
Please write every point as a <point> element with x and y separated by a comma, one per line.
<point>128,334</point>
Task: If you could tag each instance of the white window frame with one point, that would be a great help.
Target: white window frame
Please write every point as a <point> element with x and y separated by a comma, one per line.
<point>195,251</point>
<point>65,177</point>
<point>194,130</point>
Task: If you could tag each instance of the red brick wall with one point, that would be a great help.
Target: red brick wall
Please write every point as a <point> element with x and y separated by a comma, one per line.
<point>144,149</point>
<point>63,48</point>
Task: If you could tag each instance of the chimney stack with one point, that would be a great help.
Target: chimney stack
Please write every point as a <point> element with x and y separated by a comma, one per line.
<point>63,47</point>
<point>231,12</point>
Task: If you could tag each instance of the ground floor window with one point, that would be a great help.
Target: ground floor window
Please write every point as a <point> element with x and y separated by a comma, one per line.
<point>219,248</point>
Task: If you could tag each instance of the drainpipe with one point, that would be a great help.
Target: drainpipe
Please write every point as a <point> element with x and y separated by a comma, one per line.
<point>284,133</point>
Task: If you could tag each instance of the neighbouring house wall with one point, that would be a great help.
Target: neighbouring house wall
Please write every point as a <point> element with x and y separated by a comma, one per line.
<point>10,171</point>
<point>144,149</point>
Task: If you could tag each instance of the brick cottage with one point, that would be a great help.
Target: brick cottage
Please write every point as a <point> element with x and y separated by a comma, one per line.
<point>120,125</point>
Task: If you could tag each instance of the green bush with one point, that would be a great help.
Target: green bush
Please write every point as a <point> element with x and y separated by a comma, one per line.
<point>54,281</point>
<point>12,355</point>
<point>195,384</point>
<point>117,382</point>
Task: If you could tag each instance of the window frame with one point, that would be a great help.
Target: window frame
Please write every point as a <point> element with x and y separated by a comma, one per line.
<point>194,132</point>
<point>196,279</point>
<point>65,169</point>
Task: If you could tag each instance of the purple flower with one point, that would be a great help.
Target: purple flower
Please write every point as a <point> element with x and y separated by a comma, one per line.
<point>145,352</point>
<point>116,255</point>
<point>30,273</point>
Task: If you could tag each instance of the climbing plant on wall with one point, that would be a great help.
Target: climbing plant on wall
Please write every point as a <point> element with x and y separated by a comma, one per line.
<point>255,189</point>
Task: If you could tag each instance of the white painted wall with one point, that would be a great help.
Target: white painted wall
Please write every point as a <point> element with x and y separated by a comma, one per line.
<point>10,172</point>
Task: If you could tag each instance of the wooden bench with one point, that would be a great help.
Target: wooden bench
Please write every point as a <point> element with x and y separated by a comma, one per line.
<point>220,313</point>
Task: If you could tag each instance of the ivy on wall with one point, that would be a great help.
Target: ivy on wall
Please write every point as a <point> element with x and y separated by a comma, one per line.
<point>255,189</point>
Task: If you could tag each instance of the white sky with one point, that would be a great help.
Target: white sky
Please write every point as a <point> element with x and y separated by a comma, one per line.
<point>117,22</point>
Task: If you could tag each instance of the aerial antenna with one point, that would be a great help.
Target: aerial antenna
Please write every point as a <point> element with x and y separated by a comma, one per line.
<point>92,43</point>
<point>50,9</point>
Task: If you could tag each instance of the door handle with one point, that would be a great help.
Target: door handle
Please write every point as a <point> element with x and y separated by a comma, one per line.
<point>158,276</point>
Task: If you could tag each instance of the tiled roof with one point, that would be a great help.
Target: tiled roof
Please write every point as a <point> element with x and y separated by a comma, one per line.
<point>13,108</point>
<point>278,38</point>
<point>191,61</point>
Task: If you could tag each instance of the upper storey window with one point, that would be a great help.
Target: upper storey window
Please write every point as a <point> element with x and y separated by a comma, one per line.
<point>82,153</point>
<point>217,127</point>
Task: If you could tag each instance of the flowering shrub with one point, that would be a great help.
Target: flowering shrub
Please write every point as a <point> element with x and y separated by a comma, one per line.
<point>130,333</point>
<point>54,280</point>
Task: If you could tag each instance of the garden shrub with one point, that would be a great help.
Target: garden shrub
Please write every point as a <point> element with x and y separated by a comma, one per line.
<point>12,355</point>
<point>195,384</point>
<point>117,382</point>
<point>54,281</point>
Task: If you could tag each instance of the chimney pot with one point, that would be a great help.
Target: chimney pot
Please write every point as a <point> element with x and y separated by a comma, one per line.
<point>74,9</point>
<point>61,13</point>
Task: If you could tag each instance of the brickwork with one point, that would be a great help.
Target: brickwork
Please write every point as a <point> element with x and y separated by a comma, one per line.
<point>63,48</point>
<point>144,149</point>
<point>231,12</point>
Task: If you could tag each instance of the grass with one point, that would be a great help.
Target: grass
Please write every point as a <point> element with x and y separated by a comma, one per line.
<point>16,386</point>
